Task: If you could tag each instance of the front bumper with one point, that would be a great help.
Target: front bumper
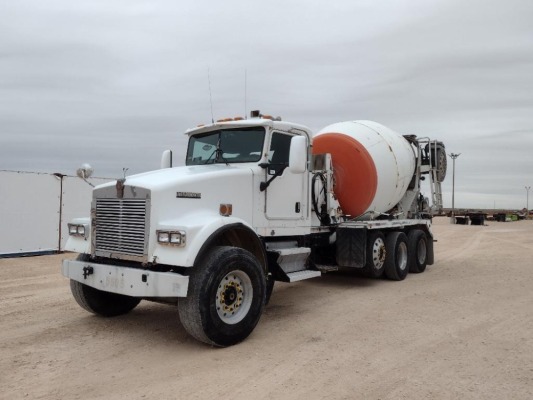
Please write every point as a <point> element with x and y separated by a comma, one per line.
<point>127,281</point>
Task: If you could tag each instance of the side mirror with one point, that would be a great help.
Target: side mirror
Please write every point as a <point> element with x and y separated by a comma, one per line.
<point>166,159</point>
<point>298,155</point>
<point>85,171</point>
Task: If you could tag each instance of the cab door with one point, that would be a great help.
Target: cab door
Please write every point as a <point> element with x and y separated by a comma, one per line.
<point>285,196</point>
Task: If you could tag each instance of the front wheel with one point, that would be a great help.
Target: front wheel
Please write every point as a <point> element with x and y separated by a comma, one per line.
<point>99,302</point>
<point>102,303</point>
<point>226,297</point>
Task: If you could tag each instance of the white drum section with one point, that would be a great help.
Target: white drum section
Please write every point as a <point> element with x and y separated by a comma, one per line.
<point>373,165</point>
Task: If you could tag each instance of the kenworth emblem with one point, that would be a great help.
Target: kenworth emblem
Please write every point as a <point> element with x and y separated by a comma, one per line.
<point>188,195</point>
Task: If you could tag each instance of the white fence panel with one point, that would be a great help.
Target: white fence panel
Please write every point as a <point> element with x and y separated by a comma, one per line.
<point>30,210</point>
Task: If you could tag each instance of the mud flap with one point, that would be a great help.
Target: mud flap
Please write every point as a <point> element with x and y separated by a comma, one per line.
<point>351,247</point>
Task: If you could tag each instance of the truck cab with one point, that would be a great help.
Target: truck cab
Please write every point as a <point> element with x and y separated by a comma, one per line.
<point>278,195</point>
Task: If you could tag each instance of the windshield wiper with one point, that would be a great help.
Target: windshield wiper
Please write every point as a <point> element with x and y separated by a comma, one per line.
<point>218,152</point>
<point>220,155</point>
<point>209,158</point>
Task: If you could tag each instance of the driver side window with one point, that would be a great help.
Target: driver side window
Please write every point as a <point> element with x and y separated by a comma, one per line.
<point>279,149</point>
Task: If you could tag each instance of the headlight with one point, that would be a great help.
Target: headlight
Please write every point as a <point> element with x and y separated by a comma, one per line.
<point>163,237</point>
<point>78,230</point>
<point>174,238</point>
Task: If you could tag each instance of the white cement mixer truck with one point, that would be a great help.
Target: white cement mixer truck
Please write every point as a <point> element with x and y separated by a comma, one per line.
<point>259,200</point>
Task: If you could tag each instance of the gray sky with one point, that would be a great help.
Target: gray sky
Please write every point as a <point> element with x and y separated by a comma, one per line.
<point>114,83</point>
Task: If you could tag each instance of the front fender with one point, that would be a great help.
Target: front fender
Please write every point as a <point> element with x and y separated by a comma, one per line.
<point>199,228</point>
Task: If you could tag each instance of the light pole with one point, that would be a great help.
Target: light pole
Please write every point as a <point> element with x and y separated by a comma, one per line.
<point>453,156</point>
<point>527,201</point>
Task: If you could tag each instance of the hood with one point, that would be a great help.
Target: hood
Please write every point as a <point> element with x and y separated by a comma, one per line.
<point>168,178</point>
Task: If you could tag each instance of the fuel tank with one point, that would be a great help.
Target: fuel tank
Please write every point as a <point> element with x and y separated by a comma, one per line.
<point>373,165</point>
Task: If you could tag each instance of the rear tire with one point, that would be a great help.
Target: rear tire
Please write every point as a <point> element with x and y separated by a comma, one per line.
<point>226,297</point>
<point>375,255</point>
<point>417,253</point>
<point>396,265</point>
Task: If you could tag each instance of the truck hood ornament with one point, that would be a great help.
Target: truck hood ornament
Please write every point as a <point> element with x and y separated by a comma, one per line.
<point>120,184</point>
<point>120,188</point>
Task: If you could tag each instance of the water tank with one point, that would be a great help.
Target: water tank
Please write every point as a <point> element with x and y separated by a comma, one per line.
<point>373,165</point>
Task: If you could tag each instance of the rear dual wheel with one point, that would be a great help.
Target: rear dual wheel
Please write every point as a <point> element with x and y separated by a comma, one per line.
<point>417,251</point>
<point>396,255</point>
<point>396,262</point>
<point>405,253</point>
<point>376,255</point>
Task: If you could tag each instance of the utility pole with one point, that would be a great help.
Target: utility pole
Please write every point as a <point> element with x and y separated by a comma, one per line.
<point>453,156</point>
<point>527,201</point>
<point>60,177</point>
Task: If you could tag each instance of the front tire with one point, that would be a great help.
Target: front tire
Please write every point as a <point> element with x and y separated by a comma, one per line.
<point>226,297</point>
<point>102,303</point>
<point>98,302</point>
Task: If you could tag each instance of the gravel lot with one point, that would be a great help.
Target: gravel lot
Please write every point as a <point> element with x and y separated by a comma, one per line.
<point>461,330</point>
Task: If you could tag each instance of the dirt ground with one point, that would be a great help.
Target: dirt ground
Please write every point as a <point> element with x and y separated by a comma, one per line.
<point>461,330</point>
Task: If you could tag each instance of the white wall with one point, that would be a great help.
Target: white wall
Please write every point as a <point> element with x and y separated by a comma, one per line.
<point>29,210</point>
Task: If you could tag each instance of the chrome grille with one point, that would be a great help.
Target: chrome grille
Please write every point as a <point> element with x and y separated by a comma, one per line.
<point>120,227</point>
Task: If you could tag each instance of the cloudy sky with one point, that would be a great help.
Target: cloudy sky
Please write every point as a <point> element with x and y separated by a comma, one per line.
<point>114,83</point>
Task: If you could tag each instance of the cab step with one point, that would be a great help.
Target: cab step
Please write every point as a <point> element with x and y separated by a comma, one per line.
<point>301,275</point>
<point>293,259</point>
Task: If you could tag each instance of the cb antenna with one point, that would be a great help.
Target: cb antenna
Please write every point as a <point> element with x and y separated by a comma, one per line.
<point>245,92</point>
<point>210,97</point>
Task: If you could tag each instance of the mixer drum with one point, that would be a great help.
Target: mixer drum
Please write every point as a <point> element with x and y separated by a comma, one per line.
<point>373,165</point>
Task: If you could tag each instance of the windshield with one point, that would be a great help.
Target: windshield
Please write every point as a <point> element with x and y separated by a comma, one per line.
<point>226,146</point>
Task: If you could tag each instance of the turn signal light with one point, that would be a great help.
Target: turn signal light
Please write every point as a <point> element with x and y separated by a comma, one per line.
<point>226,210</point>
